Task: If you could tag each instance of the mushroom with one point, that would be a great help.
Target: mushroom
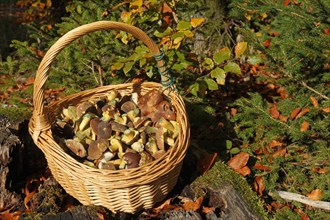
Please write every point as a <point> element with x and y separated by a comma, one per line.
<point>85,121</point>
<point>121,119</point>
<point>82,135</point>
<point>104,130</point>
<point>165,124</point>
<point>148,102</point>
<point>132,159</point>
<point>176,131</point>
<point>96,149</point>
<point>158,154</point>
<point>165,108</point>
<point>151,146</point>
<point>107,165</point>
<point>145,158</point>
<point>70,113</point>
<point>143,137</point>
<point>137,146</point>
<point>170,141</point>
<point>76,147</point>
<point>128,106</point>
<point>94,123</point>
<point>129,136</point>
<point>63,129</point>
<point>85,107</point>
<point>160,138</point>
<point>116,146</point>
<point>117,127</point>
<point>111,95</point>
<point>133,114</point>
<point>140,122</point>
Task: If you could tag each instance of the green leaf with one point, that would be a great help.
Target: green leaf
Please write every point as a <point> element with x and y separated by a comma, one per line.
<point>178,66</point>
<point>162,34</point>
<point>240,49</point>
<point>194,88</point>
<point>142,62</point>
<point>211,84</point>
<point>219,74</point>
<point>117,66</point>
<point>176,35</point>
<point>229,144</point>
<point>221,56</point>
<point>233,68</point>
<point>183,25</point>
<point>150,71</point>
<point>128,66</point>
<point>208,63</point>
<point>235,150</point>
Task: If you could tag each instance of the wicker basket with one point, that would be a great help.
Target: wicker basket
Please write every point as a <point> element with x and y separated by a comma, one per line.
<point>126,190</point>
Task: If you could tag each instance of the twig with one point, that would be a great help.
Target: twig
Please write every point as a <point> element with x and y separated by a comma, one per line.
<point>303,199</point>
<point>313,90</point>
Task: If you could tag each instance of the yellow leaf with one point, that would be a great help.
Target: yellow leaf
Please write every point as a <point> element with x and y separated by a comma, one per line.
<point>125,16</point>
<point>195,22</point>
<point>315,195</point>
<point>177,40</point>
<point>240,49</point>
<point>136,3</point>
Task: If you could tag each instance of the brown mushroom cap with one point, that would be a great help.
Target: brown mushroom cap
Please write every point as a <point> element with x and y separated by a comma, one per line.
<point>104,130</point>
<point>117,126</point>
<point>76,147</point>
<point>96,149</point>
<point>128,106</point>
<point>132,159</point>
<point>94,123</point>
<point>84,107</point>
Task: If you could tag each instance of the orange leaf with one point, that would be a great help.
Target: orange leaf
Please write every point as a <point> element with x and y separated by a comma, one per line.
<point>244,171</point>
<point>284,94</point>
<point>314,101</point>
<point>196,205</point>
<point>304,126</point>
<point>274,112</point>
<point>327,110</point>
<point>259,166</point>
<point>286,2</point>
<point>166,8</point>
<point>27,198</point>
<point>206,210</point>
<point>279,153</point>
<point>29,81</point>
<point>326,30</point>
<point>233,111</point>
<point>258,184</point>
<point>304,217</point>
<point>294,113</point>
<point>275,143</point>
<point>206,162</point>
<point>195,22</point>
<point>267,43</point>
<point>283,118</point>
<point>239,161</point>
<point>315,195</point>
<point>303,112</point>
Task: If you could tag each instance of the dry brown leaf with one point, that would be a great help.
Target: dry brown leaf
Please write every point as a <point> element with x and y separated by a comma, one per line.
<point>29,81</point>
<point>274,112</point>
<point>258,185</point>
<point>314,101</point>
<point>283,118</point>
<point>275,143</point>
<point>233,111</point>
<point>304,126</point>
<point>304,217</point>
<point>327,110</point>
<point>315,195</point>
<point>238,161</point>
<point>196,205</point>
<point>206,162</point>
<point>244,171</point>
<point>286,2</point>
<point>259,166</point>
<point>279,153</point>
<point>294,113</point>
<point>206,210</point>
<point>283,93</point>
<point>302,112</point>
<point>267,43</point>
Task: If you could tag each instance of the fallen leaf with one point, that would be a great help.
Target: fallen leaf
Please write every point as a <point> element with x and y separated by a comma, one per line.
<point>10,216</point>
<point>283,118</point>
<point>279,153</point>
<point>327,110</point>
<point>206,162</point>
<point>275,143</point>
<point>304,126</point>
<point>274,112</point>
<point>195,22</point>
<point>238,161</point>
<point>302,112</point>
<point>258,185</point>
<point>240,49</point>
<point>267,43</point>
<point>277,205</point>
<point>206,210</point>
<point>233,111</point>
<point>283,93</point>
<point>29,81</point>
<point>326,30</point>
<point>304,217</point>
<point>286,2</point>
<point>294,113</point>
<point>259,166</point>
<point>244,171</point>
<point>162,206</point>
<point>194,206</point>
<point>315,195</point>
<point>314,101</point>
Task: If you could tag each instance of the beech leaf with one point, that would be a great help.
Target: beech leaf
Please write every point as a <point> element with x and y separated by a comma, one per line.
<point>221,56</point>
<point>208,63</point>
<point>183,25</point>
<point>233,68</point>
<point>304,126</point>
<point>195,22</point>
<point>274,112</point>
<point>219,75</point>
<point>240,49</point>
<point>258,185</point>
<point>314,102</point>
<point>239,161</point>
<point>211,84</point>
<point>294,113</point>
<point>244,171</point>
<point>194,206</point>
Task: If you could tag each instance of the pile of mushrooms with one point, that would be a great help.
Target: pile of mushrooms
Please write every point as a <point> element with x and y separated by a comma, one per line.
<point>118,132</point>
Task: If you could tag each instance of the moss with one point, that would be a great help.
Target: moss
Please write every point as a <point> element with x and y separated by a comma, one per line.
<point>221,175</point>
<point>15,114</point>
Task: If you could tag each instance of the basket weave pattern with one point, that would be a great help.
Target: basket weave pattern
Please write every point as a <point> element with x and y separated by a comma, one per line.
<point>126,190</point>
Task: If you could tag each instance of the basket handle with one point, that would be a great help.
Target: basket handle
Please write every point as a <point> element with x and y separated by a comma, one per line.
<point>39,120</point>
